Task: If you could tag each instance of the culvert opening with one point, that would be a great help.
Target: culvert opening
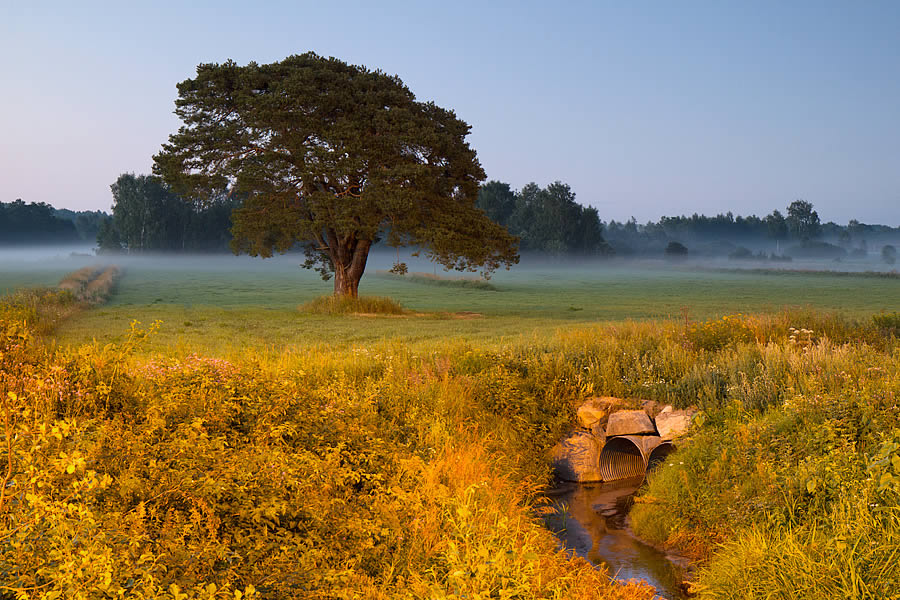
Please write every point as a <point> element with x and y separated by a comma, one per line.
<point>659,454</point>
<point>621,459</point>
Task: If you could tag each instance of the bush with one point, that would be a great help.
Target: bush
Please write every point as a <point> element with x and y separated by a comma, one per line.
<point>741,253</point>
<point>816,250</point>
<point>676,250</point>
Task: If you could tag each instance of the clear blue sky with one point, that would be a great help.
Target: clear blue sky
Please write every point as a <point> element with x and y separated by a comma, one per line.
<point>644,108</point>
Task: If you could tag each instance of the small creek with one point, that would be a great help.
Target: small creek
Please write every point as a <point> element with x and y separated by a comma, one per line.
<point>591,520</point>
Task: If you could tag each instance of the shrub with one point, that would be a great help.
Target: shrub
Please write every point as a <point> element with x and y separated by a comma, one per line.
<point>741,253</point>
<point>676,250</point>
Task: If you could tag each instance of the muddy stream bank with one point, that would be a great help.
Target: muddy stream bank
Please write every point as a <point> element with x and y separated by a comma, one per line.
<point>591,520</point>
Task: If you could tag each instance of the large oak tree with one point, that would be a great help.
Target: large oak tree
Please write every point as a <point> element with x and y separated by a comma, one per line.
<point>335,157</point>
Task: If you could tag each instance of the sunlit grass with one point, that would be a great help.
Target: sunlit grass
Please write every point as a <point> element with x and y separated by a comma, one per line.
<point>347,305</point>
<point>424,438</point>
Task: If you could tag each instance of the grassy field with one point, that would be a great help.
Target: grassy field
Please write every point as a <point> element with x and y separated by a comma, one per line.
<point>404,457</point>
<point>226,304</point>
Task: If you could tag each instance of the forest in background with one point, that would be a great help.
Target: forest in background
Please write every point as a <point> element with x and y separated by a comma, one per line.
<point>149,217</point>
<point>549,220</point>
<point>40,223</point>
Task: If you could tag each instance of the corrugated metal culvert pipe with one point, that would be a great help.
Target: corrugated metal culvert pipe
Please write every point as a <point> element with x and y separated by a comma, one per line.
<point>627,456</point>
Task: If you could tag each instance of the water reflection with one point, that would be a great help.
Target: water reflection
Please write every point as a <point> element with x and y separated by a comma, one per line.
<point>590,519</point>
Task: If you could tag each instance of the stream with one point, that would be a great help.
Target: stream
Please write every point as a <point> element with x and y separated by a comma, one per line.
<point>591,521</point>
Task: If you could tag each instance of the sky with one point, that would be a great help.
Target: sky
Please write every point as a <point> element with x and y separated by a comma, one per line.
<point>644,108</point>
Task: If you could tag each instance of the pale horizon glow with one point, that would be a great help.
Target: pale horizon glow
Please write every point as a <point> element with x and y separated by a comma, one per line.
<point>643,109</point>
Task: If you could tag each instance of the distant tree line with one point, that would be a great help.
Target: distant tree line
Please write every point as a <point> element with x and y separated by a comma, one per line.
<point>799,233</point>
<point>40,223</point>
<point>546,219</point>
<point>549,220</point>
<point>147,216</point>
<point>87,222</point>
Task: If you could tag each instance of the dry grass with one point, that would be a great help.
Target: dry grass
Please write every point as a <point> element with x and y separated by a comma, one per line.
<point>92,285</point>
<point>76,281</point>
<point>345,305</point>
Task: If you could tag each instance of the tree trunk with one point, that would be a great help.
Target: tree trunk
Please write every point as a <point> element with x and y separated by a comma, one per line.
<point>349,271</point>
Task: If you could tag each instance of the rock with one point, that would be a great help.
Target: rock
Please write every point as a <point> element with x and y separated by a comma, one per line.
<point>666,409</point>
<point>599,432</point>
<point>651,407</point>
<point>596,410</point>
<point>577,458</point>
<point>590,415</point>
<point>673,423</point>
<point>629,422</point>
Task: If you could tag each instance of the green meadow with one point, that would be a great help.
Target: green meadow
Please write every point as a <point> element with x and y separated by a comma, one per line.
<point>222,303</point>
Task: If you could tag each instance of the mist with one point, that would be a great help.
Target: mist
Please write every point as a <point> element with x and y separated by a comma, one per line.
<point>45,265</point>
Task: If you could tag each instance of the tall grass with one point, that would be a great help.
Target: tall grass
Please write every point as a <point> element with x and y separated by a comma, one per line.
<point>380,473</point>
<point>91,285</point>
<point>402,470</point>
<point>344,305</point>
<point>76,281</point>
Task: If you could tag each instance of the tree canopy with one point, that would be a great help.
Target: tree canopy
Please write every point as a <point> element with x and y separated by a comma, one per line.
<point>35,222</point>
<point>332,156</point>
<point>149,217</point>
<point>802,220</point>
<point>546,219</point>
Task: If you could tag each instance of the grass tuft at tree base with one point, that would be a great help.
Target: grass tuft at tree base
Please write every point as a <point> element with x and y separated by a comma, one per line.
<point>345,305</point>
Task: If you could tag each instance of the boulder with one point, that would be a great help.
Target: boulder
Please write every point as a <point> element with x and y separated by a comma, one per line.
<point>629,422</point>
<point>599,432</point>
<point>651,407</point>
<point>589,415</point>
<point>673,423</point>
<point>577,458</point>
<point>596,410</point>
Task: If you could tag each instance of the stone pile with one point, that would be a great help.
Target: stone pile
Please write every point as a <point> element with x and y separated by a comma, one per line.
<point>577,457</point>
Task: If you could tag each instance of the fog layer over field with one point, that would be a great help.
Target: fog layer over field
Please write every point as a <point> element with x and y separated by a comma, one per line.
<point>562,289</point>
<point>14,258</point>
